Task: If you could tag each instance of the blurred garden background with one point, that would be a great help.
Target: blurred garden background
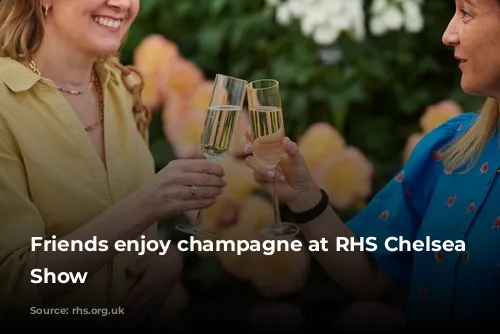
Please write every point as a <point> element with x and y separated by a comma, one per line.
<point>361,83</point>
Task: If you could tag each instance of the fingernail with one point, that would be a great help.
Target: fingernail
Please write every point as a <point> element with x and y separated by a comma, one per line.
<point>247,148</point>
<point>271,173</point>
<point>282,178</point>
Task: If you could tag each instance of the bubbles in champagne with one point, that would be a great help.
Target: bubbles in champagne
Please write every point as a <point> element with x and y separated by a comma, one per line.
<point>219,129</point>
<point>268,131</point>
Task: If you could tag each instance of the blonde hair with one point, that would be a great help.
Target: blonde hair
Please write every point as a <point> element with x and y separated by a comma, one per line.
<point>22,28</point>
<point>467,149</point>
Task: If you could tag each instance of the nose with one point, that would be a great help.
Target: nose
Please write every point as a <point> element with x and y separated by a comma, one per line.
<point>120,4</point>
<point>450,35</point>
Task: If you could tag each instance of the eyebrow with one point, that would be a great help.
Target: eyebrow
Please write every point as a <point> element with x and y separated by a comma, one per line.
<point>470,2</point>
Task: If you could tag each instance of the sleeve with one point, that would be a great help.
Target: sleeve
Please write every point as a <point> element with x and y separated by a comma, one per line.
<point>19,222</point>
<point>399,208</point>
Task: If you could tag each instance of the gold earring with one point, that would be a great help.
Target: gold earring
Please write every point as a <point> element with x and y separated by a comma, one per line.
<point>46,10</point>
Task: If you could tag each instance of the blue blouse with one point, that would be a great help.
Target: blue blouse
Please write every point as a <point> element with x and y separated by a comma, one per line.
<point>457,288</point>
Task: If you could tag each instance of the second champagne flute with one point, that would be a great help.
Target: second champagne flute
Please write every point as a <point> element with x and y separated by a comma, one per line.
<point>268,131</point>
<point>228,96</point>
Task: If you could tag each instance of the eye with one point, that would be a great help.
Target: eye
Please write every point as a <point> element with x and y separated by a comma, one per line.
<point>464,13</point>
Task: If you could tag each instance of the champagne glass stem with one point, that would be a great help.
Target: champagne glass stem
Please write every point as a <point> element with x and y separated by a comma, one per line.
<point>197,221</point>
<point>276,203</point>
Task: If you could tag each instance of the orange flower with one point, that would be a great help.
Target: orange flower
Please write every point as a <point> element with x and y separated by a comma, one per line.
<point>439,113</point>
<point>175,106</point>
<point>272,275</point>
<point>346,176</point>
<point>200,96</point>
<point>233,263</point>
<point>221,215</point>
<point>412,141</point>
<point>183,77</point>
<point>154,53</point>
<point>151,96</point>
<point>184,134</point>
<point>318,141</point>
<point>217,218</point>
<point>226,211</point>
<point>254,214</point>
<point>240,185</point>
<point>239,177</point>
<point>280,274</point>
<point>178,105</point>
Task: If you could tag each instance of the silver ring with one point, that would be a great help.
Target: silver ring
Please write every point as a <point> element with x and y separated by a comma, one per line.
<point>193,189</point>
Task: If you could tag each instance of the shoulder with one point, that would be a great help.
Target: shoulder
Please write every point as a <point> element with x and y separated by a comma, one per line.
<point>16,93</point>
<point>15,77</point>
<point>424,168</point>
<point>427,150</point>
<point>445,133</point>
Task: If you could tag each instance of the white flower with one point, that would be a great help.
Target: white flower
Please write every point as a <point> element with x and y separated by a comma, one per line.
<point>377,26</point>
<point>325,35</point>
<point>393,18</point>
<point>378,6</point>
<point>284,15</point>
<point>387,15</point>
<point>414,19</point>
<point>296,7</point>
<point>326,20</point>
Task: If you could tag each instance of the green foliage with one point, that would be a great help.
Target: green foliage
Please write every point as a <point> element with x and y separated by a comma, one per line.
<point>374,95</point>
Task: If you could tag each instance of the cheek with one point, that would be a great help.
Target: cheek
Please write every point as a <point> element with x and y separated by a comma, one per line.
<point>134,9</point>
<point>486,56</point>
<point>72,23</point>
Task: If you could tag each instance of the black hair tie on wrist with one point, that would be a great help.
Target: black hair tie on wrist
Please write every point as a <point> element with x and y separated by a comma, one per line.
<point>314,212</point>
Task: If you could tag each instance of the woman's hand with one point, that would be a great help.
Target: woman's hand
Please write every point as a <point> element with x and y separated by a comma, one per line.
<point>170,193</point>
<point>293,182</point>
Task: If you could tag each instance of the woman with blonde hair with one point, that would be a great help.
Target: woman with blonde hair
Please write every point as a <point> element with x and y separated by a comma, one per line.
<point>444,203</point>
<point>75,164</point>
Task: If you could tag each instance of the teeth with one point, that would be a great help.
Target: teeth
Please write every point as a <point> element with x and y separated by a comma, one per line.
<point>107,22</point>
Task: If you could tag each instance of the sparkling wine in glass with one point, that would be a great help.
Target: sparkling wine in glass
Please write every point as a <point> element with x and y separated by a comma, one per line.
<point>268,131</point>
<point>227,100</point>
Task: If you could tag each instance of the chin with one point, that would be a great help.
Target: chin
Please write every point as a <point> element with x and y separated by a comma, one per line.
<point>106,50</point>
<point>109,51</point>
<point>471,89</point>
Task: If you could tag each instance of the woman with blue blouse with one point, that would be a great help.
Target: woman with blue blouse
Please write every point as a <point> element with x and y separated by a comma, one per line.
<point>448,190</point>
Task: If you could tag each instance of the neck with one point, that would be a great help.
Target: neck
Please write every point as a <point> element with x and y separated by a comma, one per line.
<point>67,67</point>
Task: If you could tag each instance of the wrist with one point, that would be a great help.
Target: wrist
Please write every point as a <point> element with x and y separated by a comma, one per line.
<point>306,200</point>
<point>139,206</point>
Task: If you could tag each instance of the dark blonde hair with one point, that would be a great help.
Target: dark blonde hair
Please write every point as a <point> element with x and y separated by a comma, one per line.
<point>467,149</point>
<point>22,28</point>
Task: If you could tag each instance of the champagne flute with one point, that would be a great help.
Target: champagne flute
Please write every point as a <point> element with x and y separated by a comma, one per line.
<point>268,131</point>
<point>226,102</point>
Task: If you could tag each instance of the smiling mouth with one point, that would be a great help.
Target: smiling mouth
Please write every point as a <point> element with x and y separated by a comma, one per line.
<point>107,22</point>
